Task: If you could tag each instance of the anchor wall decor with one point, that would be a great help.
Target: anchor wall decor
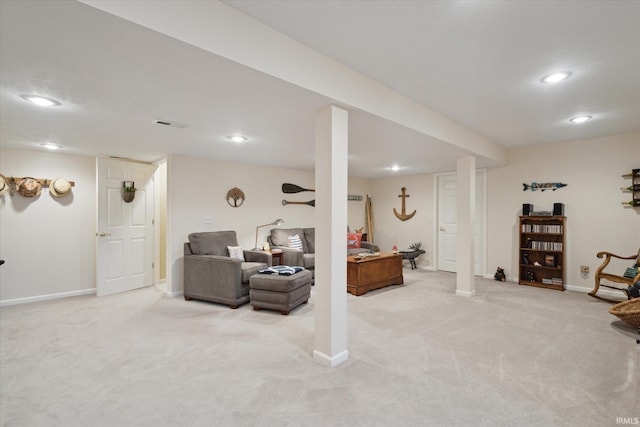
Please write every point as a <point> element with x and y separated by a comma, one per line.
<point>404,216</point>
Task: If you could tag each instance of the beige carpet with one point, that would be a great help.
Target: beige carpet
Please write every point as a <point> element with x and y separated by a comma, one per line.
<point>420,356</point>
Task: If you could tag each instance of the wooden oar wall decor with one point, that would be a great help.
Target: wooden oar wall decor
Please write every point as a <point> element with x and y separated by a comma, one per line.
<point>292,189</point>
<point>288,188</point>
<point>310,203</point>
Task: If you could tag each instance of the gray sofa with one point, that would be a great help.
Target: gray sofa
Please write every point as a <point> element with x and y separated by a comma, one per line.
<point>211,275</point>
<point>278,239</point>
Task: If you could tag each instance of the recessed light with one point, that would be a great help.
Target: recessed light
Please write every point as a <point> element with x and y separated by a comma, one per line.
<point>237,138</point>
<point>556,77</point>
<point>579,119</point>
<point>41,100</point>
<point>51,146</point>
<point>394,168</point>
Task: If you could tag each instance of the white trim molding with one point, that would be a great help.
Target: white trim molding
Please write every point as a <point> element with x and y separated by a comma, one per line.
<point>38,298</point>
<point>331,362</point>
<point>465,293</point>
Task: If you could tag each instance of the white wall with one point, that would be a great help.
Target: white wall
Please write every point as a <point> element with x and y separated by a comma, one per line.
<point>197,188</point>
<point>596,220</point>
<point>389,230</point>
<point>48,243</point>
<point>356,208</point>
<point>160,236</point>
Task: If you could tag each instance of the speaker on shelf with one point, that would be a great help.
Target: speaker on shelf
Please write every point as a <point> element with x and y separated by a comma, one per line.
<point>558,209</point>
<point>527,208</point>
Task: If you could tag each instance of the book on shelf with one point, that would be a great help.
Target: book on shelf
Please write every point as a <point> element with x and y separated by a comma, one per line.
<point>542,228</point>
<point>545,246</point>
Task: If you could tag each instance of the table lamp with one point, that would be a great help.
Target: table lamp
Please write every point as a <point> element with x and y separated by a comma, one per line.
<point>276,222</point>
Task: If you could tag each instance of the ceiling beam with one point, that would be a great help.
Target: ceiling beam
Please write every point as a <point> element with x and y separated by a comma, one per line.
<point>222,30</point>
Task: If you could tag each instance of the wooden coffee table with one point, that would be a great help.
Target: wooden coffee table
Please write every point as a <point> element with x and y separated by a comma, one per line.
<point>373,273</point>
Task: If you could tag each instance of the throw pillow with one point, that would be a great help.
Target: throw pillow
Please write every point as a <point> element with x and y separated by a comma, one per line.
<point>236,252</point>
<point>295,242</point>
<point>353,240</point>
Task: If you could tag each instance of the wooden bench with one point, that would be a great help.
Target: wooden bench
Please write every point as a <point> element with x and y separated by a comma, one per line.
<point>625,281</point>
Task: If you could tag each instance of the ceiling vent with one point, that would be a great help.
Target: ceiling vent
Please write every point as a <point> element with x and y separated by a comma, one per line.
<point>172,124</point>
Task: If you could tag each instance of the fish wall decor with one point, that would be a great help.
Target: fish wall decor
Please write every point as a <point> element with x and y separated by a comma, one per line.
<point>543,186</point>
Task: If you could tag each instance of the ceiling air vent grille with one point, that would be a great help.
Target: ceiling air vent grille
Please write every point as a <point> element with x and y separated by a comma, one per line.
<point>170,123</point>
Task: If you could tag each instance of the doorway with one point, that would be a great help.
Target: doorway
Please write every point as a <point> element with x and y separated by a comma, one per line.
<point>125,231</point>
<point>446,225</point>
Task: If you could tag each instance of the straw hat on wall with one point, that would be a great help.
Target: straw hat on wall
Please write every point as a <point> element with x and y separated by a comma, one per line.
<point>4,185</point>
<point>28,187</point>
<point>59,187</point>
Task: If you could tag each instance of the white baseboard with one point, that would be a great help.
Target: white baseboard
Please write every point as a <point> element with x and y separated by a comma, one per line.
<point>330,361</point>
<point>465,293</point>
<point>601,292</point>
<point>175,294</point>
<point>28,300</point>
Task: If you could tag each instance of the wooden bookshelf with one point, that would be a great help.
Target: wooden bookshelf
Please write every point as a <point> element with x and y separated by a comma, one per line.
<point>542,251</point>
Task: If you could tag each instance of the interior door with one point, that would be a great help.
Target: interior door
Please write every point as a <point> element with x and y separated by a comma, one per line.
<point>447,223</point>
<point>124,230</point>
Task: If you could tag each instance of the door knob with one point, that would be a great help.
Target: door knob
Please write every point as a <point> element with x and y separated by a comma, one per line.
<point>443,229</point>
<point>102,234</point>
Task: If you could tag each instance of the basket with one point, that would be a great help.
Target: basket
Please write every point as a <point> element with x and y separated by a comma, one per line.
<point>628,312</point>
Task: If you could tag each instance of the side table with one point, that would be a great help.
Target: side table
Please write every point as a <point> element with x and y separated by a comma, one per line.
<point>277,255</point>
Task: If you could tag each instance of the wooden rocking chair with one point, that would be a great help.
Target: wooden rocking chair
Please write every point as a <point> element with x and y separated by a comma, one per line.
<point>626,280</point>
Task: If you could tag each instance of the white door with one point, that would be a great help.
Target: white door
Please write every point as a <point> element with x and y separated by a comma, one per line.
<point>480,223</point>
<point>125,230</point>
<point>447,222</point>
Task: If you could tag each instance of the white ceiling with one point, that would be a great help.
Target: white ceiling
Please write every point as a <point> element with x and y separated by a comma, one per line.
<point>479,63</point>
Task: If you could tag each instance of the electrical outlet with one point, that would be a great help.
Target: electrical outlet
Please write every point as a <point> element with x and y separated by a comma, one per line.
<point>208,219</point>
<point>584,271</point>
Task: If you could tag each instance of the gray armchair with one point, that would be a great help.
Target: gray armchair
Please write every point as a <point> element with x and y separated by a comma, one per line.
<point>278,239</point>
<point>211,275</point>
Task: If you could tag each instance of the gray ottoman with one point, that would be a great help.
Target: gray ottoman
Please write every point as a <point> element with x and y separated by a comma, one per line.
<point>278,292</point>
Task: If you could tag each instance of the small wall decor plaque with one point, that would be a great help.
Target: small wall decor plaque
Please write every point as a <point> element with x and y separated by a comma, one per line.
<point>553,186</point>
<point>235,197</point>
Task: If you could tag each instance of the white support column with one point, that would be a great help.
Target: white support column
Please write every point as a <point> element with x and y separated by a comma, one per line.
<point>466,201</point>
<point>331,226</point>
